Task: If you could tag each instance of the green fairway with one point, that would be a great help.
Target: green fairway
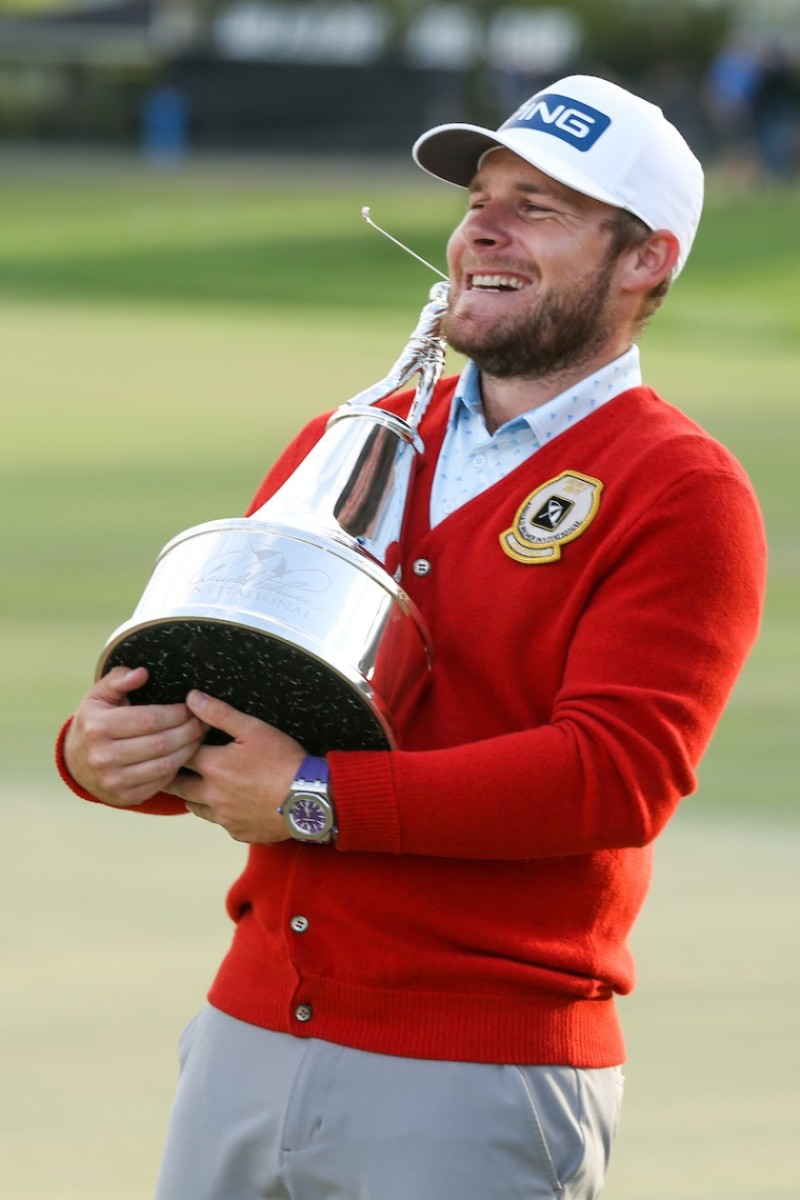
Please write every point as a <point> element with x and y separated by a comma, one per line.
<point>113,948</point>
<point>162,335</point>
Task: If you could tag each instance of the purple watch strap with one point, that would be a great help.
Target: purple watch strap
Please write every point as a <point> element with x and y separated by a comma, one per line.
<point>313,770</point>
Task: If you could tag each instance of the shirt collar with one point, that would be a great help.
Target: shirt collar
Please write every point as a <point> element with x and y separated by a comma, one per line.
<point>549,419</point>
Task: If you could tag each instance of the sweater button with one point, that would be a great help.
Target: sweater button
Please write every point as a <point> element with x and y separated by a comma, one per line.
<point>303,1012</point>
<point>421,566</point>
<point>299,924</point>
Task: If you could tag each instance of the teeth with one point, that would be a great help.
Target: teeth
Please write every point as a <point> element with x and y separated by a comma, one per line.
<point>497,281</point>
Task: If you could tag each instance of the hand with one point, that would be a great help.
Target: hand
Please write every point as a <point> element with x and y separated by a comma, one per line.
<point>242,784</point>
<point>124,753</point>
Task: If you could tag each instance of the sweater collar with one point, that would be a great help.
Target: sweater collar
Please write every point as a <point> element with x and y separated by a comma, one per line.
<point>558,414</point>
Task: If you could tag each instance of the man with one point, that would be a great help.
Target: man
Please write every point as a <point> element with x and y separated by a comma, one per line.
<point>422,1006</point>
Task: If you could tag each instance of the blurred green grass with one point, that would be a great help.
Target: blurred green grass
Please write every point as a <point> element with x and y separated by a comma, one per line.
<point>163,334</point>
<point>211,238</point>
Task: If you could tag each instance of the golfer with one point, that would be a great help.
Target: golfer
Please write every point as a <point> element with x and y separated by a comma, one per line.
<point>420,997</point>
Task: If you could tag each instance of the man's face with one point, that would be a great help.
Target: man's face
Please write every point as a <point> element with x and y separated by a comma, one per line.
<point>531,273</point>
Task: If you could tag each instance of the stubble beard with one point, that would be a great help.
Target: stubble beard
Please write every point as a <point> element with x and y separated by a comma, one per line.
<point>562,331</point>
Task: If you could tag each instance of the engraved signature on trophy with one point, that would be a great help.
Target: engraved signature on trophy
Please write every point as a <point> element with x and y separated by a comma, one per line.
<point>261,575</point>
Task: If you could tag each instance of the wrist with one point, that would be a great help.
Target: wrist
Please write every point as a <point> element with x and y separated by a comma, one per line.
<point>308,811</point>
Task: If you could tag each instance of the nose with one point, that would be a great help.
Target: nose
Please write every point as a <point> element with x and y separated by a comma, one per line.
<point>486,225</point>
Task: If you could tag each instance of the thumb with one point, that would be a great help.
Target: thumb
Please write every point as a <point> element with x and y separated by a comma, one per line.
<point>114,687</point>
<point>217,714</point>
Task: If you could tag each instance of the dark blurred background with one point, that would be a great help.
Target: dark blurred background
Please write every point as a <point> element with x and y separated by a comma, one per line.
<point>175,76</point>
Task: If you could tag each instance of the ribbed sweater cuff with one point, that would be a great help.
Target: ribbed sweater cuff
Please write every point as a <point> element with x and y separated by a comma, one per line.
<point>160,805</point>
<point>362,785</point>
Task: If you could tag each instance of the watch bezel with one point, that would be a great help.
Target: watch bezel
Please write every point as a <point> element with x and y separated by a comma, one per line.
<point>303,792</point>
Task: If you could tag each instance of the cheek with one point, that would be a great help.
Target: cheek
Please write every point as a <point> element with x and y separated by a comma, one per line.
<point>455,247</point>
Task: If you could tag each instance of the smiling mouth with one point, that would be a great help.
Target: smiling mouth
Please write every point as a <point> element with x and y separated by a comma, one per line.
<point>495,283</point>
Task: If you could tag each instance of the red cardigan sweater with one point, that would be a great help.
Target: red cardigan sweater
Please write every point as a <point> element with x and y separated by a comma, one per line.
<point>487,874</point>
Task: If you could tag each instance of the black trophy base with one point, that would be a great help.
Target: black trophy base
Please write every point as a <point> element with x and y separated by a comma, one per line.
<point>257,674</point>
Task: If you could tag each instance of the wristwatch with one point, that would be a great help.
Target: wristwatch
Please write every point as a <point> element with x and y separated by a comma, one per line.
<point>308,809</point>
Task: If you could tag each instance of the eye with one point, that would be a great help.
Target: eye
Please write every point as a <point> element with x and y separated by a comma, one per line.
<point>529,209</point>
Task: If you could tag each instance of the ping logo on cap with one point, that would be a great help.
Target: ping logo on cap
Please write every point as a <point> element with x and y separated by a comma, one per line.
<point>573,122</point>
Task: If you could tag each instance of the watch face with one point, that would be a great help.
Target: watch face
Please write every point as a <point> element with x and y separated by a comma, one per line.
<point>310,816</point>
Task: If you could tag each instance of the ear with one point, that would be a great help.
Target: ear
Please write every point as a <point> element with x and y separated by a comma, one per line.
<point>647,264</point>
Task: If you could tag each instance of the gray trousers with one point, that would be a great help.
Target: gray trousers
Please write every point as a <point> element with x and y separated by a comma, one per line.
<point>265,1116</point>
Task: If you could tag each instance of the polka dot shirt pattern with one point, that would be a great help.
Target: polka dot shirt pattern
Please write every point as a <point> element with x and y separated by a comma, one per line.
<point>472,459</point>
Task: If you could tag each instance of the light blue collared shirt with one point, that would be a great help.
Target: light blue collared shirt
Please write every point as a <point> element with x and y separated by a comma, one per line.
<point>472,459</point>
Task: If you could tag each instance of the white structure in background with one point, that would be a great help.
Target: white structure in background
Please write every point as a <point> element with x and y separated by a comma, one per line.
<point>349,34</point>
<point>530,40</point>
<point>444,35</point>
<point>440,36</point>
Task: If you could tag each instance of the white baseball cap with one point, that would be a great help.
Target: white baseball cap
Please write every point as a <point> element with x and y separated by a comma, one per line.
<point>596,138</point>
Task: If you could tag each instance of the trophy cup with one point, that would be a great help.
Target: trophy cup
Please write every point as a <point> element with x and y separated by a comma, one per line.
<point>291,614</point>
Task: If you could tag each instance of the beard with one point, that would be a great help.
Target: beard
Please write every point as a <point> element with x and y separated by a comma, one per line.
<point>561,332</point>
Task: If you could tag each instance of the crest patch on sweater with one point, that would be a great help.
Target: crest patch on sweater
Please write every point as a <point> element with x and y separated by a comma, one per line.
<point>557,512</point>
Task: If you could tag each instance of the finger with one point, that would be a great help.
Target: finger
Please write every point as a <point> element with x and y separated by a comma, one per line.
<point>179,742</point>
<point>218,714</point>
<point>140,780</point>
<point>109,701</point>
<point>201,810</point>
<point>185,786</point>
<point>139,720</point>
<point>115,687</point>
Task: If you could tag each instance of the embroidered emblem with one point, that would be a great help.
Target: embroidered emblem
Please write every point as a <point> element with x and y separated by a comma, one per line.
<point>555,513</point>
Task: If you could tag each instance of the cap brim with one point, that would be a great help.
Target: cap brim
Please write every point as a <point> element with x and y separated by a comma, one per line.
<point>452,153</point>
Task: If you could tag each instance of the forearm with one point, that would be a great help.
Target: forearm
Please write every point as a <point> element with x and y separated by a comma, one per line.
<point>538,793</point>
<point>649,663</point>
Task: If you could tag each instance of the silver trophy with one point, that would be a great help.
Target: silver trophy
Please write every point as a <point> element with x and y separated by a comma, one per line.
<point>291,614</point>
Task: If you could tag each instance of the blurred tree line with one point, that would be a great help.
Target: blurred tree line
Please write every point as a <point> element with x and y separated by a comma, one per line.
<point>89,71</point>
<point>629,35</point>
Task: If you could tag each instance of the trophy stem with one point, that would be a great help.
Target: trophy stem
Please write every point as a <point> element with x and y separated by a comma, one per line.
<point>354,483</point>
